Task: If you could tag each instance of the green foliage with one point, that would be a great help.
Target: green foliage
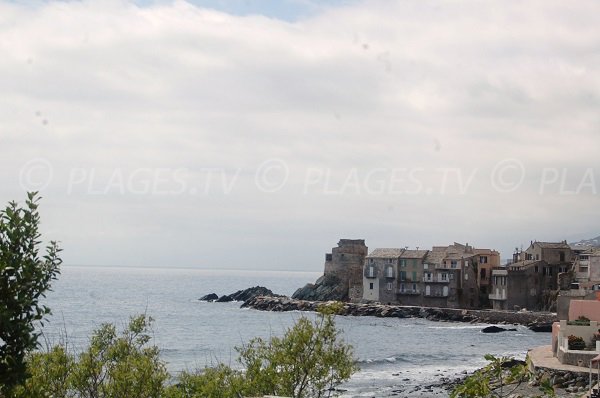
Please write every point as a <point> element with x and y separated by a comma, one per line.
<point>308,361</point>
<point>113,366</point>
<point>25,277</point>
<point>496,379</point>
<point>581,321</point>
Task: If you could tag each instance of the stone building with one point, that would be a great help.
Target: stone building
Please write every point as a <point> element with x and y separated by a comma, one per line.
<point>410,277</point>
<point>445,276</point>
<point>531,280</point>
<point>345,262</point>
<point>380,282</point>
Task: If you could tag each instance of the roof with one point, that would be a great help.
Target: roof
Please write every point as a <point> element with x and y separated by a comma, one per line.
<point>414,253</point>
<point>485,251</point>
<point>552,245</point>
<point>385,253</point>
<point>435,256</point>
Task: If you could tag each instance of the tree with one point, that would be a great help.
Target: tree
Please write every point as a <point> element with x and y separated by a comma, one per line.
<point>24,280</point>
<point>308,361</point>
<point>498,379</point>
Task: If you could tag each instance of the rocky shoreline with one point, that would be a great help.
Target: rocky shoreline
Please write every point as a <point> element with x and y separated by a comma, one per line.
<point>537,321</point>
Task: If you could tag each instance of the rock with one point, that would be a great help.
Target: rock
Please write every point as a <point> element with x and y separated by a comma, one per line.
<point>326,288</point>
<point>541,327</point>
<point>495,329</point>
<point>209,297</point>
<point>247,294</point>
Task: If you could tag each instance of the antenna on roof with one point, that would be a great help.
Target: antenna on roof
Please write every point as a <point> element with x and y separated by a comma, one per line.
<point>417,247</point>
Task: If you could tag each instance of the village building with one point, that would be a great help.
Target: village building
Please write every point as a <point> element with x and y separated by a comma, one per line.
<point>531,279</point>
<point>445,276</point>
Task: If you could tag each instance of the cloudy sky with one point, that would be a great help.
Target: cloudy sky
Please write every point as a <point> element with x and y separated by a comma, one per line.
<point>256,134</point>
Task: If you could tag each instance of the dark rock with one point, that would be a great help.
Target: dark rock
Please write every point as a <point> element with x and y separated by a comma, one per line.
<point>496,329</point>
<point>541,327</point>
<point>209,297</point>
<point>326,288</point>
<point>247,294</point>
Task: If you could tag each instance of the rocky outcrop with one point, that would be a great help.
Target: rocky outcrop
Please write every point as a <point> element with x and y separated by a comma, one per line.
<point>240,295</point>
<point>496,329</point>
<point>380,310</point>
<point>326,288</point>
<point>209,297</point>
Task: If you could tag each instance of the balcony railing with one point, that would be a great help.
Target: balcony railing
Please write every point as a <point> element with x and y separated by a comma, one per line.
<point>409,292</point>
<point>435,294</point>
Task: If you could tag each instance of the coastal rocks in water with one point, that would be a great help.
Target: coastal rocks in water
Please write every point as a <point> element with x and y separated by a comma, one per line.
<point>541,327</point>
<point>247,294</point>
<point>496,329</point>
<point>326,288</point>
<point>209,297</point>
<point>398,311</point>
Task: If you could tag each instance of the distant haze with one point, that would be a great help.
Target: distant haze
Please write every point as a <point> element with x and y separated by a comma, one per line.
<point>256,135</point>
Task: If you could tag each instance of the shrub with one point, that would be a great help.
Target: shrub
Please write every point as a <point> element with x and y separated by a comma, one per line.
<point>576,343</point>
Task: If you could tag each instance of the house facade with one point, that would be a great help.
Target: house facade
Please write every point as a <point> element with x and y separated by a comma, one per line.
<point>531,280</point>
<point>445,276</point>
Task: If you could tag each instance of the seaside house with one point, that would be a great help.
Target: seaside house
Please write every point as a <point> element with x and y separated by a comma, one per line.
<point>410,277</point>
<point>576,339</point>
<point>531,279</point>
<point>380,282</point>
<point>445,276</point>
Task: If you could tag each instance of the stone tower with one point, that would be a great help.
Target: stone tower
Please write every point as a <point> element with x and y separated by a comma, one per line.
<point>345,262</point>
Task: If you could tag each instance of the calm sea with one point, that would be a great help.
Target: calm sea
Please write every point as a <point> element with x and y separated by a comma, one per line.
<point>394,354</point>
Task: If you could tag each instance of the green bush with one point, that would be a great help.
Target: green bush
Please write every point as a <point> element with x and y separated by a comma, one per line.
<point>24,280</point>
<point>113,366</point>
<point>308,361</point>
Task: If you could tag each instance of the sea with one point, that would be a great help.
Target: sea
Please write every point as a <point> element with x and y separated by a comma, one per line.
<point>397,357</point>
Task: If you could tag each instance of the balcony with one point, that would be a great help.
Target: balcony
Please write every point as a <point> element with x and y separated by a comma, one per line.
<point>436,280</point>
<point>409,292</point>
<point>435,294</point>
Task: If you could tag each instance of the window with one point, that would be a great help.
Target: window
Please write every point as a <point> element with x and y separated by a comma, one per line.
<point>389,260</point>
<point>482,274</point>
<point>402,287</point>
<point>389,272</point>
<point>371,272</point>
<point>371,261</point>
<point>453,264</point>
<point>403,263</point>
<point>389,286</point>
<point>402,275</point>
<point>483,259</point>
<point>414,275</point>
<point>444,276</point>
<point>427,276</point>
<point>537,256</point>
<point>414,263</point>
<point>371,285</point>
<point>536,269</point>
<point>562,256</point>
<point>425,266</point>
<point>414,286</point>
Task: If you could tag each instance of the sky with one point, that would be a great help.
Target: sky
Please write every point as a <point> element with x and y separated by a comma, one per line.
<point>256,134</point>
